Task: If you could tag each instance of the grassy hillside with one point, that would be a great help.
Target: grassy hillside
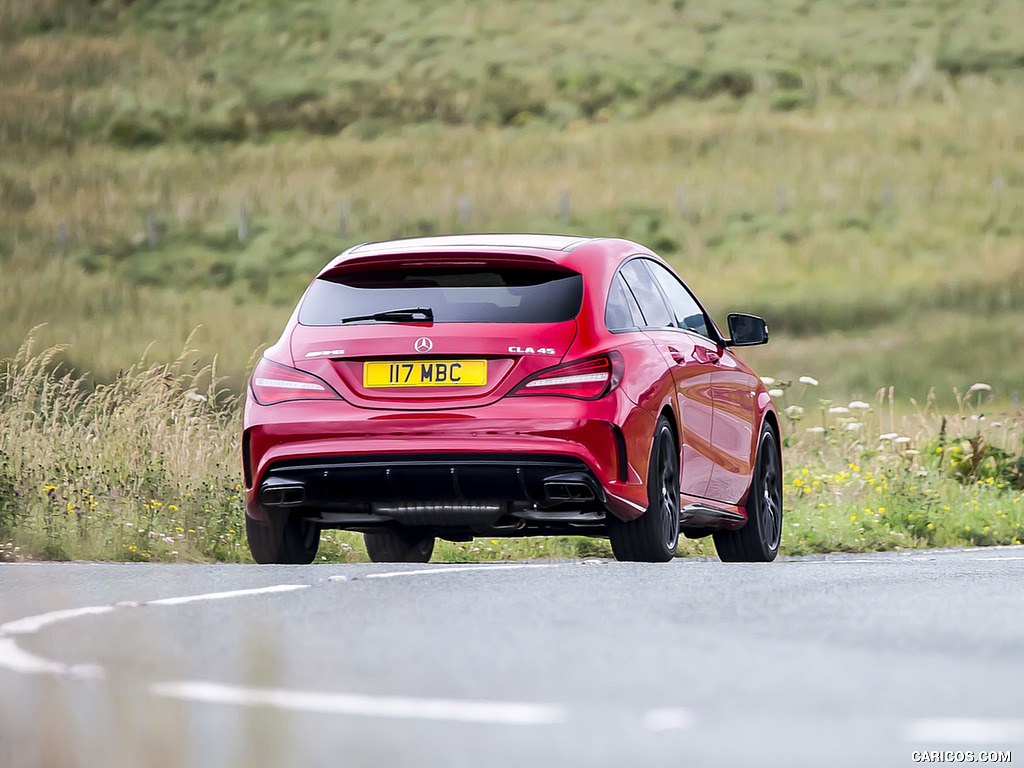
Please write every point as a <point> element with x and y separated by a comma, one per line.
<point>850,169</point>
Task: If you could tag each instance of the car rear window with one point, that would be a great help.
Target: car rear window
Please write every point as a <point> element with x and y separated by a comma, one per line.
<point>452,294</point>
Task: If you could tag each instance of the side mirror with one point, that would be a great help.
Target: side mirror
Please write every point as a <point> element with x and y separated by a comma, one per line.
<point>747,330</point>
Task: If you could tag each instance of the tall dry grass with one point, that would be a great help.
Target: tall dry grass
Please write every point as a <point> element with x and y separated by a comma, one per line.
<point>146,464</point>
<point>147,468</point>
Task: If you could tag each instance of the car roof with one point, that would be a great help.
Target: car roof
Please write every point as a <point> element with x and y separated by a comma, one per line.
<point>574,252</point>
<point>476,242</point>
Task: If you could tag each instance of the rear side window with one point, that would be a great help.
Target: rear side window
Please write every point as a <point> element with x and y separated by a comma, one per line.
<point>478,294</point>
<point>688,313</point>
<point>622,312</point>
<point>652,303</point>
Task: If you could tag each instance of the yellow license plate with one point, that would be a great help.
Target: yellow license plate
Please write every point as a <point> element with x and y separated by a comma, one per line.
<point>425,373</point>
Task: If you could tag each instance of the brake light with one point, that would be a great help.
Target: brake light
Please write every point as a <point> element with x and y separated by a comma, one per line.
<point>586,379</point>
<point>273,383</point>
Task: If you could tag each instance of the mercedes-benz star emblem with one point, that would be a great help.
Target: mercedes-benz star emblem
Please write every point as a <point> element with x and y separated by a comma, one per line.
<point>423,344</point>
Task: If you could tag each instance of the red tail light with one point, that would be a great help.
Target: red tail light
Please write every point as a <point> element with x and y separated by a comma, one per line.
<point>586,379</point>
<point>273,383</point>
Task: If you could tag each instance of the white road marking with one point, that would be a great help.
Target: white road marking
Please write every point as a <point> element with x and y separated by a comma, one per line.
<point>831,562</point>
<point>227,595</point>
<point>668,719</point>
<point>965,731</point>
<point>31,624</point>
<point>489,712</point>
<point>454,569</point>
<point>928,556</point>
<point>16,659</point>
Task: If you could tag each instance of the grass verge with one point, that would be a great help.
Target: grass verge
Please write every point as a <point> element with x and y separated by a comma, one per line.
<point>146,468</point>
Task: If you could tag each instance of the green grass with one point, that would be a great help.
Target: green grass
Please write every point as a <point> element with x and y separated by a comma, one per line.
<point>925,293</point>
<point>851,169</point>
<point>930,277</point>
<point>146,72</point>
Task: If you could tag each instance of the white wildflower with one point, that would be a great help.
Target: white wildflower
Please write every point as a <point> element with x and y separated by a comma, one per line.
<point>809,380</point>
<point>980,387</point>
<point>195,397</point>
<point>794,413</point>
<point>838,409</point>
<point>860,405</point>
<point>767,380</point>
<point>776,392</point>
<point>852,426</point>
<point>902,441</point>
<point>888,436</point>
<point>815,430</point>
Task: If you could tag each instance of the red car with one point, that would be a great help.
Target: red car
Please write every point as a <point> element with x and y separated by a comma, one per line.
<point>509,385</point>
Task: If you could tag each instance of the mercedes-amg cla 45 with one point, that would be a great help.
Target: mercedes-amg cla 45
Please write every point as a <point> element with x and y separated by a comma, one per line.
<point>509,385</point>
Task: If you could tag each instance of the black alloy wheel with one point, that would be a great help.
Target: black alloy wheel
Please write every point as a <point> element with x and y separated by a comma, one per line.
<point>758,541</point>
<point>408,545</point>
<point>288,540</point>
<point>654,536</point>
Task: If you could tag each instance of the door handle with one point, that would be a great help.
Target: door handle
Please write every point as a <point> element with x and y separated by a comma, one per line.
<point>678,356</point>
<point>702,355</point>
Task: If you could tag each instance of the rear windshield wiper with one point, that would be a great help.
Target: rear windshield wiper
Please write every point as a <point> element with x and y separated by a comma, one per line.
<point>412,315</point>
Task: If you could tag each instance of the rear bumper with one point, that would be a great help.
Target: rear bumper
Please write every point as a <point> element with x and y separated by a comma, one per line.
<point>442,490</point>
<point>336,460</point>
<point>339,482</point>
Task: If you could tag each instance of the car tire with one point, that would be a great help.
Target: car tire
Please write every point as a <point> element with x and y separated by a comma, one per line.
<point>287,540</point>
<point>399,546</point>
<point>654,536</point>
<point>758,540</point>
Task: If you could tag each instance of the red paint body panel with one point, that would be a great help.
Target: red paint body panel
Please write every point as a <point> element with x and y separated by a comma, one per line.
<point>715,403</point>
<point>471,340</point>
<point>563,426</point>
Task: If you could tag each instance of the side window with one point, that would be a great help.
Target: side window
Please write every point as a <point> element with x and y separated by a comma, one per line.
<point>687,311</point>
<point>622,312</point>
<point>652,303</point>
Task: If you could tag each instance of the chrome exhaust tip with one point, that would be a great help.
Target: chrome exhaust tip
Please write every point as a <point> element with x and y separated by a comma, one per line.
<point>577,487</point>
<point>282,492</point>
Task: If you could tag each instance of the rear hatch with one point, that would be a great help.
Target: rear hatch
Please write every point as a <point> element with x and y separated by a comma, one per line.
<point>431,333</point>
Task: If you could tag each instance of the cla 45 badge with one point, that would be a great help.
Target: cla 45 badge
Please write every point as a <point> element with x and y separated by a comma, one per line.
<point>531,351</point>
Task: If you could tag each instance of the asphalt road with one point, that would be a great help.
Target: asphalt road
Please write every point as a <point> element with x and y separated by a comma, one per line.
<point>843,660</point>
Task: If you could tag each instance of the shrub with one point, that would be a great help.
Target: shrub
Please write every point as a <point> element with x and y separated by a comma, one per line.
<point>136,130</point>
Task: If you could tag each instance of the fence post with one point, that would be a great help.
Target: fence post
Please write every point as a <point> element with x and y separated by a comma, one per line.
<point>344,212</point>
<point>243,225</point>
<point>681,201</point>
<point>564,205</point>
